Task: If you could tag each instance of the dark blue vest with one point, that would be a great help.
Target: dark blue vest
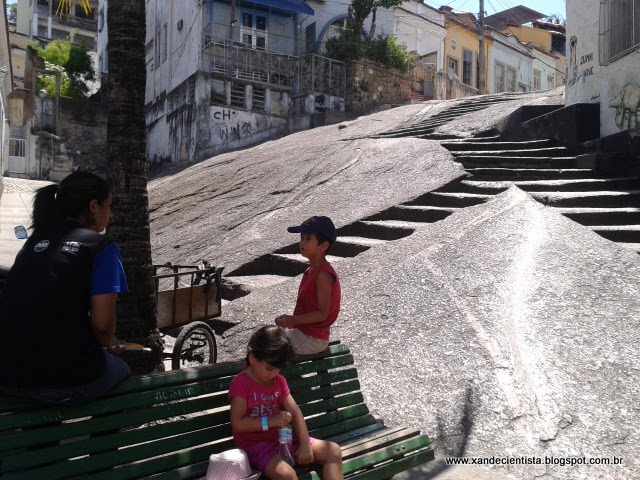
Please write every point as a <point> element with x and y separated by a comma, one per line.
<point>45,332</point>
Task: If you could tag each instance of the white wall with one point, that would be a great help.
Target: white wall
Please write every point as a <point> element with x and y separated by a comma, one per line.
<point>183,46</point>
<point>419,34</point>
<point>327,12</point>
<point>615,86</point>
<point>508,51</point>
<point>546,65</point>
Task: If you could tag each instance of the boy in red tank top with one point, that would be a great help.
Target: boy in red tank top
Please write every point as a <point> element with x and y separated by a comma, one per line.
<point>318,300</point>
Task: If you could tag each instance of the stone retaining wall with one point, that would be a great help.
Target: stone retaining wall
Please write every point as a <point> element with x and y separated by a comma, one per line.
<point>370,86</point>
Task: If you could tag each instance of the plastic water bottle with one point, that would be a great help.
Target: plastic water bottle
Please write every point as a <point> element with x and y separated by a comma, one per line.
<point>285,438</point>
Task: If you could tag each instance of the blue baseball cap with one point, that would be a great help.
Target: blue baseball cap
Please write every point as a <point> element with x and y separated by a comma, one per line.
<point>321,225</point>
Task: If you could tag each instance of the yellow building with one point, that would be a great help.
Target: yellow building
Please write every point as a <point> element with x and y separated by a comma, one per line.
<point>462,47</point>
<point>541,39</point>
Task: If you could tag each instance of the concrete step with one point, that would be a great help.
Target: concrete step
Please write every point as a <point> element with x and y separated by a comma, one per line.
<point>580,185</point>
<point>619,233</point>
<point>589,199</point>
<point>451,200</point>
<point>413,214</point>
<point>495,146</point>
<point>532,152</point>
<point>469,161</point>
<point>376,231</point>
<point>603,216</point>
<point>514,174</point>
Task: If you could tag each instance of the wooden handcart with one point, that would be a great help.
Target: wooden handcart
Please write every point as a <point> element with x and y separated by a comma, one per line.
<point>189,304</point>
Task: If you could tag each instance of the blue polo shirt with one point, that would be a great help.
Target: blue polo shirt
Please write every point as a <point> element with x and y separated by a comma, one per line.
<point>108,275</point>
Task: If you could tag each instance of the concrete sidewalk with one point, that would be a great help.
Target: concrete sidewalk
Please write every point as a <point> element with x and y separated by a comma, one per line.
<point>15,209</point>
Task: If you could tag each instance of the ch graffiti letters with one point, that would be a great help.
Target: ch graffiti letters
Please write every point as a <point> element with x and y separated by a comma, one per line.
<point>325,103</point>
<point>224,114</point>
<point>627,106</point>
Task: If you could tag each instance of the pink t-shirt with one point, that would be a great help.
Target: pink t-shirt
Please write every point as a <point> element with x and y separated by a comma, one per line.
<point>261,401</point>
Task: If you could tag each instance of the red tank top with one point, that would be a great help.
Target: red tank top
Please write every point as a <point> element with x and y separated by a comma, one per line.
<point>308,301</point>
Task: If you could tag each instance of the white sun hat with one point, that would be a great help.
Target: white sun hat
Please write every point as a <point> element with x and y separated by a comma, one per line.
<point>230,465</point>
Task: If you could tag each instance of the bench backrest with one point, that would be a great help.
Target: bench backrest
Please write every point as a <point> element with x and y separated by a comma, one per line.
<point>165,422</point>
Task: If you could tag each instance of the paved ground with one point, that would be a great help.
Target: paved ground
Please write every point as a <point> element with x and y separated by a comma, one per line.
<point>15,209</point>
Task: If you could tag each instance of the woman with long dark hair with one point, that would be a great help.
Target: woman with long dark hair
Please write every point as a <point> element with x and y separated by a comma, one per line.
<point>58,306</point>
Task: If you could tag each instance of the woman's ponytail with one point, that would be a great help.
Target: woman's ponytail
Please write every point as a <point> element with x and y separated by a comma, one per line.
<point>45,215</point>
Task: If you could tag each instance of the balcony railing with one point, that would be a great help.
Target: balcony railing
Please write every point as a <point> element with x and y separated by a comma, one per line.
<point>299,75</point>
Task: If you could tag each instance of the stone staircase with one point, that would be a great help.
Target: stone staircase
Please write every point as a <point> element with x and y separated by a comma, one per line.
<point>610,206</point>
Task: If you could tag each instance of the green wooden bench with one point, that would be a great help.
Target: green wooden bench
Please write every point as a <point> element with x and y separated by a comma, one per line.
<point>165,426</point>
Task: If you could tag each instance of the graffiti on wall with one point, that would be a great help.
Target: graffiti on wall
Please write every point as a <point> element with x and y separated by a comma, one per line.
<point>324,103</point>
<point>229,127</point>
<point>584,64</point>
<point>627,106</point>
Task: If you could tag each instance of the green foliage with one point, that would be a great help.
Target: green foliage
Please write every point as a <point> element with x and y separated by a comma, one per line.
<point>345,47</point>
<point>75,64</point>
<point>386,50</point>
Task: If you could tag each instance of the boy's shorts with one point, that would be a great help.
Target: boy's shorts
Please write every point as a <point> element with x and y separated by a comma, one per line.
<point>261,454</point>
<point>304,344</point>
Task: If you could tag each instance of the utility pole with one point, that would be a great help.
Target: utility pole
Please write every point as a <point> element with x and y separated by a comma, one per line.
<point>482,60</point>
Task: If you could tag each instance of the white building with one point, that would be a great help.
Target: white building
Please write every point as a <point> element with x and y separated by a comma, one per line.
<point>603,64</point>
<point>422,29</point>
<point>5,89</point>
<point>544,70</point>
<point>511,64</point>
<point>217,81</point>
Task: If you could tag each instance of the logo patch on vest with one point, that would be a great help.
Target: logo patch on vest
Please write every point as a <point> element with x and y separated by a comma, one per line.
<point>71,247</point>
<point>41,246</point>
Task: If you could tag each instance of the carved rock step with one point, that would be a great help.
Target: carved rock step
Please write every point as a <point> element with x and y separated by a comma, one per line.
<point>558,185</point>
<point>413,214</point>
<point>619,233</point>
<point>580,185</point>
<point>603,216</point>
<point>444,199</point>
<point>531,152</point>
<point>495,146</point>
<point>270,264</point>
<point>513,174</point>
<point>339,249</point>
<point>377,231</point>
<point>589,199</point>
<point>500,161</point>
<point>474,186</point>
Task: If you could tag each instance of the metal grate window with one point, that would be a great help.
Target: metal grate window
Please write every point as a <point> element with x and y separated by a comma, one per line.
<point>619,28</point>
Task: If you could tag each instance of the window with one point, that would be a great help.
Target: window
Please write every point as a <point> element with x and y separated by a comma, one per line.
<point>511,80</point>
<point>467,67</point>
<point>156,55</point>
<point>537,79</point>
<point>165,41</point>
<point>500,80</point>
<point>619,28</point>
<point>101,20</point>
<point>253,31</point>
<point>452,66</point>
<point>551,81</point>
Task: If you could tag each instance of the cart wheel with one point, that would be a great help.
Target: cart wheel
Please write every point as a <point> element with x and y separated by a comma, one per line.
<point>194,347</point>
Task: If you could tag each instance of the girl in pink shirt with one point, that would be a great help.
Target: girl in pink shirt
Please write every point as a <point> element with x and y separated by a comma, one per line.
<point>261,403</point>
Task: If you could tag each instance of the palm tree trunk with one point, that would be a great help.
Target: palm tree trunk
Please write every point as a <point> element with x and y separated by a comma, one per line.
<point>127,172</point>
